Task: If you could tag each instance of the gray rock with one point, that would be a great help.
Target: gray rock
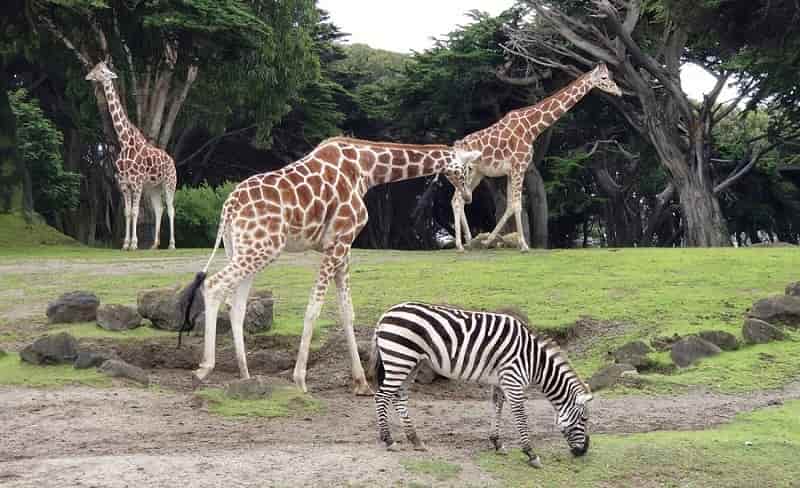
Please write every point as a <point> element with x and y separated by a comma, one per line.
<point>610,375</point>
<point>664,343</point>
<point>793,289</point>
<point>258,316</point>
<point>757,331</point>
<point>118,317</point>
<point>691,348</point>
<point>724,340</point>
<point>51,349</point>
<point>249,389</point>
<point>511,239</point>
<point>120,369</point>
<point>778,310</point>
<point>75,306</point>
<point>88,359</point>
<point>633,353</point>
<point>160,306</point>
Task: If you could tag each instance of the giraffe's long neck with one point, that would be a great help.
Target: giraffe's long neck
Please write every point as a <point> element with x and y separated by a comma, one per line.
<point>545,113</point>
<point>127,133</point>
<point>403,164</point>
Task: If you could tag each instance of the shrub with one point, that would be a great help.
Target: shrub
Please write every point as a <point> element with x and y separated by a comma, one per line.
<point>197,214</point>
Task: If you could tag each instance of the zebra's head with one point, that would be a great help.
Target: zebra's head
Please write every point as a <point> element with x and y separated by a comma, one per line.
<point>572,419</point>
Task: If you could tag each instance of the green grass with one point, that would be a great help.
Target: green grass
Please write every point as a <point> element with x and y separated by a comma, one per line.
<point>282,402</point>
<point>436,468</point>
<point>16,372</point>
<point>93,331</point>
<point>18,235</point>
<point>716,457</point>
<point>656,291</point>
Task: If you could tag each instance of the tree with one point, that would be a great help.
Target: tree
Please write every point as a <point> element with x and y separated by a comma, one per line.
<point>645,45</point>
<point>40,142</point>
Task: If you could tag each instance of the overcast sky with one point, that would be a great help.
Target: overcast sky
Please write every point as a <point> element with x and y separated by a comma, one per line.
<point>408,25</point>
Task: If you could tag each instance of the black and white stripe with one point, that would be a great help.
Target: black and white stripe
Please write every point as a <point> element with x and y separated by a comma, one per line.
<point>486,347</point>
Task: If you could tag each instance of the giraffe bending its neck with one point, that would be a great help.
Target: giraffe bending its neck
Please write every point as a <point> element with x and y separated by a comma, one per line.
<point>141,167</point>
<point>314,203</point>
<point>506,147</point>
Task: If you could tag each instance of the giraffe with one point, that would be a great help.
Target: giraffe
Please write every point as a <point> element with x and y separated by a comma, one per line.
<point>506,148</point>
<point>141,167</point>
<point>314,203</point>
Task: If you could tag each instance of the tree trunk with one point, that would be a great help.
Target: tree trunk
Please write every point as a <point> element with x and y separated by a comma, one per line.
<point>538,211</point>
<point>10,162</point>
<point>703,222</point>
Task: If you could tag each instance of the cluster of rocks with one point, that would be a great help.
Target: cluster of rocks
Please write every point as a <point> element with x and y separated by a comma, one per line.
<point>766,321</point>
<point>481,241</point>
<point>62,348</point>
<point>159,308</point>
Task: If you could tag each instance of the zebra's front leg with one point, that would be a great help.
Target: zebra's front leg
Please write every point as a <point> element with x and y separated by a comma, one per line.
<point>516,398</point>
<point>498,397</point>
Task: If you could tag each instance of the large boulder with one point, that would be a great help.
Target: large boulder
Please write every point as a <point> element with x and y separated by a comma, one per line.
<point>160,306</point>
<point>118,317</point>
<point>51,349</point>
<point>793,289</point>
<point>778,310</point>
<point>757,331</point>
<point>664,343</point>
<point>120,369</point>
<point>75,306</point>
<point>258,316</point>
<point>633,353</point>
<point>88,359</point>
<point>724,340</point>
<point>690,349</point>
<point>610,375</point>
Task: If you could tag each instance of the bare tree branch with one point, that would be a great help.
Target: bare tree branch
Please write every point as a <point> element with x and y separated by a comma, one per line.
<point>82,57</point>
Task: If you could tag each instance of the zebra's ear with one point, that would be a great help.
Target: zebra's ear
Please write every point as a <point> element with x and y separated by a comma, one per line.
<point>582,399</point>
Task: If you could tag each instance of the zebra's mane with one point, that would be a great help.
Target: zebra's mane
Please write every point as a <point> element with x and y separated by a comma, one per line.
<point>553,347</point>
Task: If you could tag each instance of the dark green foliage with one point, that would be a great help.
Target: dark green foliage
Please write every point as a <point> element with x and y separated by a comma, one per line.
<point>197,214</point>
<point>40,142</point>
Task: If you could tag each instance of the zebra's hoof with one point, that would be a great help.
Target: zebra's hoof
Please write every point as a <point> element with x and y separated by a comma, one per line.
<point>393,447</point>
<point>535,462</point>
<point>501,451</point>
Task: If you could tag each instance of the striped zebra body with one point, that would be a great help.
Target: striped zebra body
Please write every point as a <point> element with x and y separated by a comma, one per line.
<point>486,347</point>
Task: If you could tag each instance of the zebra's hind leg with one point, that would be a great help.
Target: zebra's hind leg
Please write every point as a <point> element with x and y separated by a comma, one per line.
<point>498,397</point>
<point>387,389</point>
<point>401,405</point>
<point>515,394</point>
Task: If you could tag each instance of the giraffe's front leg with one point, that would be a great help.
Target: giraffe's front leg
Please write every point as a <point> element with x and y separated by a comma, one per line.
<point>126,205</point>
<point>342,279</point>
<point>135,199</point>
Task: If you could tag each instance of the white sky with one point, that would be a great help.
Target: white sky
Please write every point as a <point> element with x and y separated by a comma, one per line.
<point>406,25</point>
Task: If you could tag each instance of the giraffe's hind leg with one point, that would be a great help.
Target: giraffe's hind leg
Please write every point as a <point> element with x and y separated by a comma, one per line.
<point>169,196</point>
<point>158,210</point>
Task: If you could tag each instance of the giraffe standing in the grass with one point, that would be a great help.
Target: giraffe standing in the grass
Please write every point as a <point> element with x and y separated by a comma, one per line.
<point>314,203</point>
<point>141,167</point>
<point>506,148</point>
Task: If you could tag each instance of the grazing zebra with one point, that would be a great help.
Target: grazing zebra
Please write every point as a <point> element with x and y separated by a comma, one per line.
<point>485,347</point>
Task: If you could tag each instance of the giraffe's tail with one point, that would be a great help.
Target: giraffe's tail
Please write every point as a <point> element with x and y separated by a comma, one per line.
<point>223,227</point>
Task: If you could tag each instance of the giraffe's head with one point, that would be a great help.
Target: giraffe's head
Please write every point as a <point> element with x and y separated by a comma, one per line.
<point>459,171</point>
<point>100,73</point>
<point>601,78</point>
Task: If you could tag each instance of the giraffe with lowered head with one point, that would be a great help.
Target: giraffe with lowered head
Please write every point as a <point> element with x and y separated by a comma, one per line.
<point>314,203</point>
<point>141,167</point>
<point>506,148</point>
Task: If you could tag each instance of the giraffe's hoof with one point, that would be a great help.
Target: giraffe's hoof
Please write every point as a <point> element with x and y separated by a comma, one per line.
<point>361,388</point>
<point>393,447</point>
<point>419,446</point>
<point>172,247</point>
<point>197,382</point>
<point>535,462</point>
<point>525,249</point>
<point>460,250</point>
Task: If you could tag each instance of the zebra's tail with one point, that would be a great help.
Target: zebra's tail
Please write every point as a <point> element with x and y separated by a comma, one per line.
<point>375,370</point>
